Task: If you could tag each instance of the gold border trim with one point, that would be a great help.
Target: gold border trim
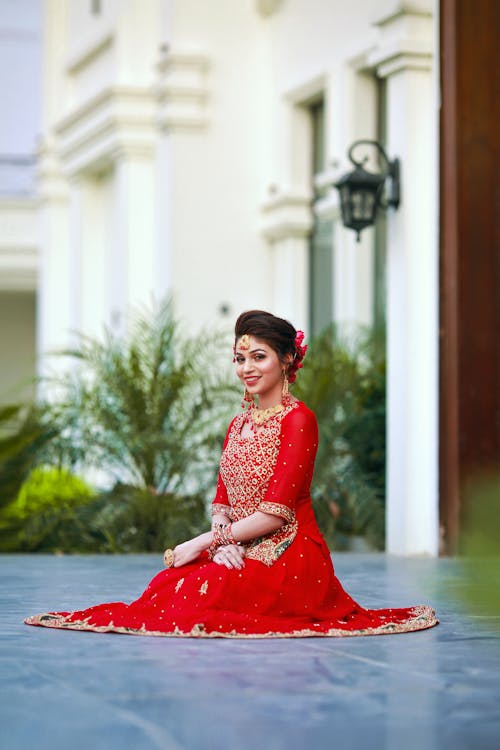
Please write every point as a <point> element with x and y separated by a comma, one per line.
<point>220,508</point>
<point>277,509</point>
<point>424,617</point>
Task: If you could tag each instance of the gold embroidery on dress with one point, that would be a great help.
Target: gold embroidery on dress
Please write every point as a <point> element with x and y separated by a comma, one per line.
<point>220,508</point>
<point>276,509</point>
<point>203,588</point>
<point>247,466</point>
<point>269,549</point>
<point>419,618</point>
<point>179,584</point>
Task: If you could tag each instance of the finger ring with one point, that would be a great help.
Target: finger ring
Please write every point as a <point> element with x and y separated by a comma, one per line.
<point>168,558</point>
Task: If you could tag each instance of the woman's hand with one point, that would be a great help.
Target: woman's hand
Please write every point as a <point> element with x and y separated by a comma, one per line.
<point>230,555</point>
<point>187,552</point>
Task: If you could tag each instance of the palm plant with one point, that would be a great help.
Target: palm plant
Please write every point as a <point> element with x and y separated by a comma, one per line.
<point>143,414</point>
<point>23,435</point>
<point>146,409</point>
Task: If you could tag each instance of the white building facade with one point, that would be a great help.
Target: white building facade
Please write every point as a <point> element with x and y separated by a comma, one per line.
<point>191,147</point>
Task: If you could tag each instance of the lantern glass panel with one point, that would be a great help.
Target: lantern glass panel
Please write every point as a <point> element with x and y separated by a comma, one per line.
<point>345,203</point>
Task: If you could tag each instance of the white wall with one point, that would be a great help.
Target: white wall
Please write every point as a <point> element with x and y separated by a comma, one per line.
<point>221,171</point>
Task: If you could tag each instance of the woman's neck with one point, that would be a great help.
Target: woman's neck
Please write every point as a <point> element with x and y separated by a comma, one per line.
<point>268,400</point>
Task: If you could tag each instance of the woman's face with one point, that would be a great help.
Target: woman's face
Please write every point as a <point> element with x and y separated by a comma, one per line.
<point>259,368</point>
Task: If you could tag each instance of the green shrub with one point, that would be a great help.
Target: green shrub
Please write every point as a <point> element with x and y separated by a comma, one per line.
<point>128,519</point>
<point>44,515</point>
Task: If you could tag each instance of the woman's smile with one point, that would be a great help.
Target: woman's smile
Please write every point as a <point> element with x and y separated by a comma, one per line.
<point>252,379</point>
<point>259,368</point>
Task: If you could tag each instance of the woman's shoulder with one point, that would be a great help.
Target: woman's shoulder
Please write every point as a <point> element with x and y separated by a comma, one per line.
<point>234,424</point>
<point>301,416</point>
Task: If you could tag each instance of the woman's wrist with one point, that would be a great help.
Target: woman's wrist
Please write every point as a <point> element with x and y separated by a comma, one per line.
<point>204,540</point>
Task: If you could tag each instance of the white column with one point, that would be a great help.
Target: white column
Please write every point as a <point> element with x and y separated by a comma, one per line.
<point>164,213</point>
<point>76,225</point>
<point>54,290</point>
<point>412,287</point>
<point>95,274</point>
<point>134,231</point>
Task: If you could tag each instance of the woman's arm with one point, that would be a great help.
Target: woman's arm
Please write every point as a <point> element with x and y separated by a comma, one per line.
<point>191,549</point>
<point>255,525</point>
<point>294,466</point>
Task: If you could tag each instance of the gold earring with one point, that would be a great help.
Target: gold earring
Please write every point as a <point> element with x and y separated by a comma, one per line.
<point>247,398</point>
<point>284,387</point>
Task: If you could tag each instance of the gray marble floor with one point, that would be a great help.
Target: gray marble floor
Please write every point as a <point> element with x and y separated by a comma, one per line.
<point>437,689</point>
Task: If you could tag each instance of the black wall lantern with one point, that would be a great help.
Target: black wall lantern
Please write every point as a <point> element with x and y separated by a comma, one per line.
<point>361,192</point>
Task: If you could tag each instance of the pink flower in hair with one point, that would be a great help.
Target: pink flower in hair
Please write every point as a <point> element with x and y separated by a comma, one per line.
<point>300,353</point>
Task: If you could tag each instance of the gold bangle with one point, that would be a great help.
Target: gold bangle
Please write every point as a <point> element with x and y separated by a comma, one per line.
<point>168,558</point>
<point>228,533</point>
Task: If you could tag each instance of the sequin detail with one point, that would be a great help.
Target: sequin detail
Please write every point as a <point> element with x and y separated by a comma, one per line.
<point>247,465</point>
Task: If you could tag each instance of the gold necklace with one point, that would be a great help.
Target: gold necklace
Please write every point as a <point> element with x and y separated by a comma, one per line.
<point>260,416</point>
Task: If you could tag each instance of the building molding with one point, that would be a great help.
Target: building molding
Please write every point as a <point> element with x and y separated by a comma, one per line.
<point>307,91</point>
<point>404,55</point>
<point>287,215</point>
<point>406,42</point>
<point>182,91</point>
<point>403,9</point>
<point>119,120</point>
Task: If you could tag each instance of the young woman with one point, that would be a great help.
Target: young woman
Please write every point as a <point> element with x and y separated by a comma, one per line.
<point>263,570</point>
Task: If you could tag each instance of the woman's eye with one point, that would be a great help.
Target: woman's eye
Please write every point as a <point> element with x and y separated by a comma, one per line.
<point>260,356</point>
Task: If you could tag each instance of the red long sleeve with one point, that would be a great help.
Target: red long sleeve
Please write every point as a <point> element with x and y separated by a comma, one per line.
<point>294,467</point>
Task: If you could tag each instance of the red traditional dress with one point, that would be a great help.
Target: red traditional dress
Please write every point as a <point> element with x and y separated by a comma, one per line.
<point>287,588</point>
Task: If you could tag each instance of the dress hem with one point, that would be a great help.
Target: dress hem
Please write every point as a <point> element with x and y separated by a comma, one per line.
<point>424,617</point>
